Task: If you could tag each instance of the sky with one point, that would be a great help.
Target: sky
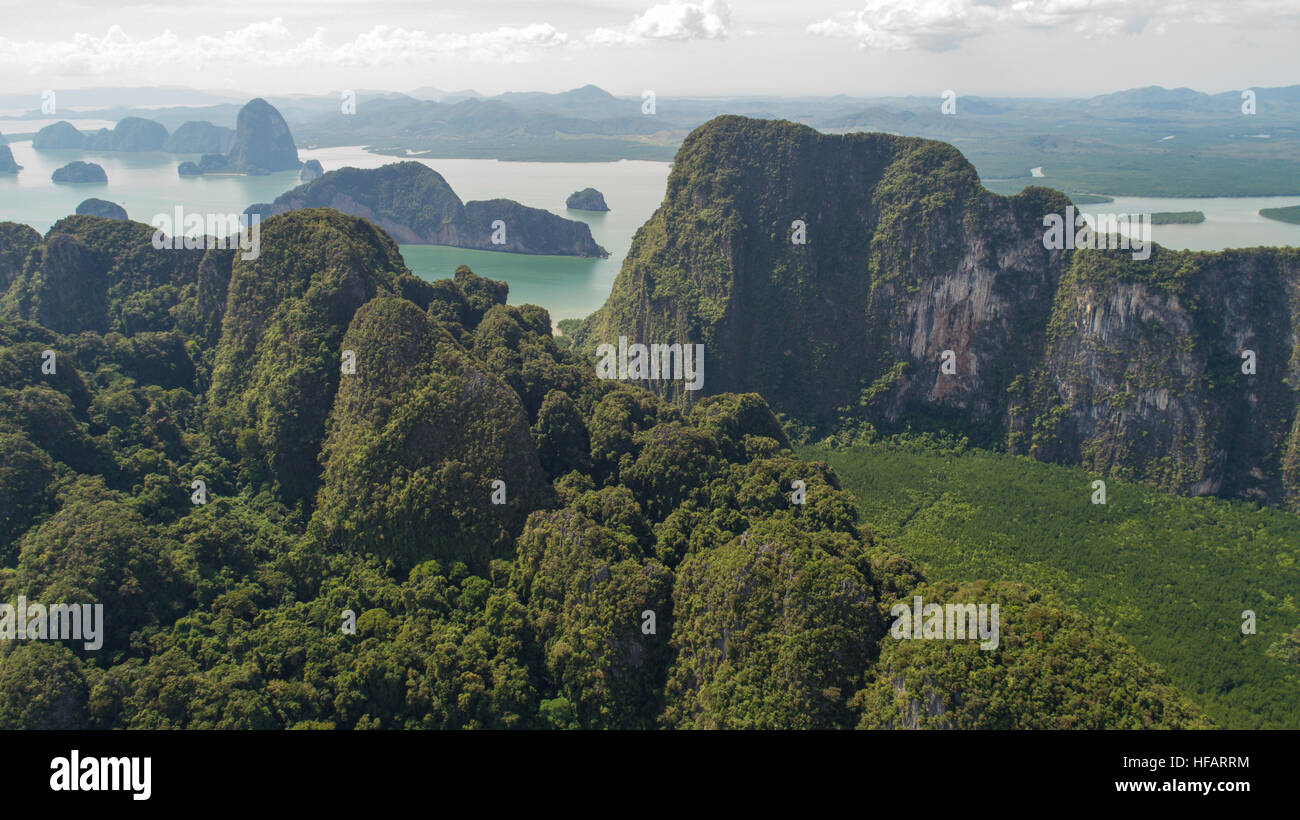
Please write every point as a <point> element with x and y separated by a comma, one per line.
<point>1045,48</point>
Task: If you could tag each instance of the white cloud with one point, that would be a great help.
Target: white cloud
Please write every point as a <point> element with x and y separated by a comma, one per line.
<point>269,44</point>
<point>383,45</point>
<point>675,20</point>
<point>939,25</point>
<point>896,25</point>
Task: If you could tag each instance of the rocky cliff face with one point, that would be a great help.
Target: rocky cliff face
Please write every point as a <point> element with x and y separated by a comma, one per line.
<point>414,204</point>
<point>1180,370</point>
<point>871,278</point>
<point>262,140</point>
<point>833,272</point>
<point>380,408</point>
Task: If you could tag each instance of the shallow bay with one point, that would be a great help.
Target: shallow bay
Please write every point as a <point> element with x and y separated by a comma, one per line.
<point>569,287</point>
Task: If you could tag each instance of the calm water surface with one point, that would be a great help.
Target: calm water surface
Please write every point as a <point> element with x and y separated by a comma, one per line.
<point>147,184</point>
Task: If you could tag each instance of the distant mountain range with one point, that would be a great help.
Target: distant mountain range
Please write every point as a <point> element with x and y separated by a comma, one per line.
<point>1137,142</point>
<point>594,103</point>
<point>261,142</point>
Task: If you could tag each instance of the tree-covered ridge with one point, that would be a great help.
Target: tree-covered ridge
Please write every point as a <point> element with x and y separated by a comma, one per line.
<point>869,282</point>
<point>1059,661</point>
<point>348,566</point>
<point>414,435</point>
<point>277,365</point>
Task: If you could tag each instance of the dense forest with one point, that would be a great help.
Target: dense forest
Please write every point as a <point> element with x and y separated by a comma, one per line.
<point>313,491</point>
<point>1172,575</point>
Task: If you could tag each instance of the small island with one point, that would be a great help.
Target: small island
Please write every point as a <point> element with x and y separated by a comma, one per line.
<point>80,173</point>
<point>417,207</point>
<point>1177,218</point>
<point>1289,214</point>
<point>588,199</point>
<point>130,134</point>
<point>101,207</point>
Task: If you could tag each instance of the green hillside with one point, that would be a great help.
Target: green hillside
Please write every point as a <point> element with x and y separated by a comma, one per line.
<point>310,490</point>
<point>1170,574</point>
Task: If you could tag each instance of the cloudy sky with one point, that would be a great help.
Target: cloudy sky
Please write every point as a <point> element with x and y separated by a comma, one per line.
<point>705,47</point>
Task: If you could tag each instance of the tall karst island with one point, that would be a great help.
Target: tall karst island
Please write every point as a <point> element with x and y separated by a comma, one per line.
<point>262,145</point>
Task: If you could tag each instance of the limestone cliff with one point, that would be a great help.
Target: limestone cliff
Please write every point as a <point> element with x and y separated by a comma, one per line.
<point>1180,370</point>
<point>868,278</point>
<point>830,273</point>
<point>262,140</point>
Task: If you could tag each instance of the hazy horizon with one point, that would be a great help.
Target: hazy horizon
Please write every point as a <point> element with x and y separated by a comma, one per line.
<point>238,96</point>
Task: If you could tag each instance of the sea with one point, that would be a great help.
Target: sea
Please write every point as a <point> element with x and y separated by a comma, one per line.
<point>146,184</point>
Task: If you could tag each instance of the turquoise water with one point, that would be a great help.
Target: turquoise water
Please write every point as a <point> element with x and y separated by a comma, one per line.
<point>147,184</point>
<point>1230,222</point>
<point>569,287</point>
